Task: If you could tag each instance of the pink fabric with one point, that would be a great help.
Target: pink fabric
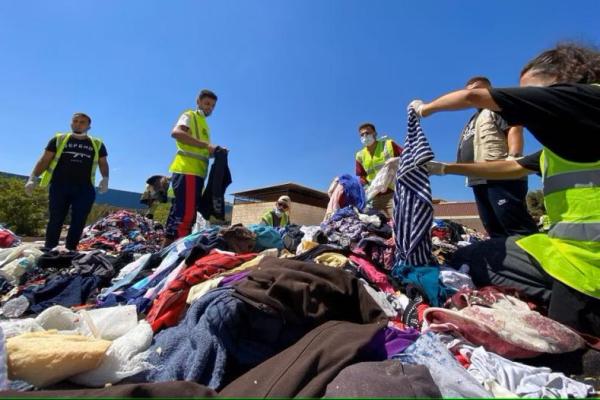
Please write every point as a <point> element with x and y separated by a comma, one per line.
<point>372,274</point>
<point>335,194</point>
<point>507,327</point>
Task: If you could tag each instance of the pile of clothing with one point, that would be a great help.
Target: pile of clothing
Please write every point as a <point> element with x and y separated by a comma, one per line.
<point>447,236</point>
<point>216,312</point>
<point>123,231</point>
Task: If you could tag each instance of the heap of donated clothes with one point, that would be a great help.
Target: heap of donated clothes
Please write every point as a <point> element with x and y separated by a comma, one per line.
<point>123,231</point>
<point>335,310</point>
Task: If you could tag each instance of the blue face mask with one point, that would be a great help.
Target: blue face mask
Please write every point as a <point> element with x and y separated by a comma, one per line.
<point>367,140</point>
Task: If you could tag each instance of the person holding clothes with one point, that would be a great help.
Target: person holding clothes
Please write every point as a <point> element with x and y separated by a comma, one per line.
<point>190,165</point>
<point>487,138</point>
<point>68,166</point>
<point>279,216</point>
<point>559,102</point>
<point>370,159</point>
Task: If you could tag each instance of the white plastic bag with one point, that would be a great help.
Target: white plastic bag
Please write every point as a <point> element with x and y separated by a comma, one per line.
<point>384,178</point>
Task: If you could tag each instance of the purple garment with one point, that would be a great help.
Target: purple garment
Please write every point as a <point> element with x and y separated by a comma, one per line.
<point>396,340</point>
<point>230,279</point>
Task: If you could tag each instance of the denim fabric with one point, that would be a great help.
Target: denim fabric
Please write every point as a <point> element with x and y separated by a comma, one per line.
<point>450,377</point>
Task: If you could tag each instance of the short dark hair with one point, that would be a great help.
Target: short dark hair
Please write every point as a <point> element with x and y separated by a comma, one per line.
<point>84,115</point>
<point>478,79</point>
<point>207,93</point>
<point>367,125</point>
<point>568,62</point>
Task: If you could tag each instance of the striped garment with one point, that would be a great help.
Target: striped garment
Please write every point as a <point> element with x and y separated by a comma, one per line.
<point>413,209</point>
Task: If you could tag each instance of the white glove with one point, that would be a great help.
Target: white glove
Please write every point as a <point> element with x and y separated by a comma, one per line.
<point>103,185</point>
<point>417,105</point>
<point>436,168</point>
<point>32,182</point>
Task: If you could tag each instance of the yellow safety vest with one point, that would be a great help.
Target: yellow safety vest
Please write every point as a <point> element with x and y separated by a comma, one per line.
<point>268,219</point>
<point>192,160</point>
<point>373,163</point>
<point>61,142</point>
<point>570,251</point>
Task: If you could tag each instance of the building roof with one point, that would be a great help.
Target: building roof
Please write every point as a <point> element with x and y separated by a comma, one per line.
<point>456,209</point>
<point>463,212</point>
<point>298,193</point>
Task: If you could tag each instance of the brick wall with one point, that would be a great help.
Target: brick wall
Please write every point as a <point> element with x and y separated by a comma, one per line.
<point>250,213</point>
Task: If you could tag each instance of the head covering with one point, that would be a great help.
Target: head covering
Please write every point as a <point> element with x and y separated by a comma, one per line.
<point>285,200</point>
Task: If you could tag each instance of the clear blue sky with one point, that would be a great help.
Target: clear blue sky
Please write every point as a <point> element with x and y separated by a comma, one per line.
<point>294,78</point>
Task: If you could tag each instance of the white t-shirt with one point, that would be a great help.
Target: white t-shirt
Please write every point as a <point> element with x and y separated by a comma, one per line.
<point>184,119</point>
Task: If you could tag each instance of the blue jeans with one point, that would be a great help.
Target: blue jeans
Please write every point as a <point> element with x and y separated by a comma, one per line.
<point>62,196</point>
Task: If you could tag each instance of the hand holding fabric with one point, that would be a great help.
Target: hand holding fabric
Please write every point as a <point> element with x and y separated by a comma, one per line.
<point>436,168</point>
<point>417,105</point>
<point>32,182</point>
<point>103,185</point>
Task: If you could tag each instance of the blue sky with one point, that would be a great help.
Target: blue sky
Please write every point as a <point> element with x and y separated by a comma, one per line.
<point>294,78</point>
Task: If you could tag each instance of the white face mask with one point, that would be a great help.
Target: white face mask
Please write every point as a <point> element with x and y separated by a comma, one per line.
<point>277,211</point>
<point>367,140</point>
<point>81,135</point>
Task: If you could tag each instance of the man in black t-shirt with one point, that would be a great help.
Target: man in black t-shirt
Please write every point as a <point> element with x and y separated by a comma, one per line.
<point>559,103</point>
<point>68,166</point>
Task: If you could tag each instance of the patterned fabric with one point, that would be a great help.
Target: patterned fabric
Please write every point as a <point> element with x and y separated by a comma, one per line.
<point>413,209</point>
<point>3,361</point>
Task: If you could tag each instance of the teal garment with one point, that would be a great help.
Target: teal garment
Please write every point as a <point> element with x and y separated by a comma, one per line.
<point>424,278</point>
<point>267,237</point>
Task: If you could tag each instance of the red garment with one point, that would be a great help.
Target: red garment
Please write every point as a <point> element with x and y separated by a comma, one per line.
<point>6,239</point>
<point>170,303</point>
<point>372,274</point>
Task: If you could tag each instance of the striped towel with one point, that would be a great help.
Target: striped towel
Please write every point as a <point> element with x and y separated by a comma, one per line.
<point>413,209</point>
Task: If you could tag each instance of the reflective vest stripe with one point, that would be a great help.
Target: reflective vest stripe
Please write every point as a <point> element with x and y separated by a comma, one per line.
<point>571,180</point>
<point>192,154</point>
<point>583,231</point>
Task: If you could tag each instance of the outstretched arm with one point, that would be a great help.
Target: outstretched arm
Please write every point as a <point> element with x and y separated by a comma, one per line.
<point>459,100</point>
<point>509,169</point>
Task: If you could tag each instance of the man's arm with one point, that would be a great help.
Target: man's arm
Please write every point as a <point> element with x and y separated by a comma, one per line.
<point>103,166</point>
<point>43,163</point>
<point>461,99</point>
<point>182,133</point>
<point>360,173</point>
<point>509,169</point>
<point>515,141</point>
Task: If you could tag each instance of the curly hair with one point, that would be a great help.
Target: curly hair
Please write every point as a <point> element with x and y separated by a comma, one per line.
<point>568,63</point>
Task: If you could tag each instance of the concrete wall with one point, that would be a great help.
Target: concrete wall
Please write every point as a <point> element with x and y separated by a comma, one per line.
<point>302,214</point>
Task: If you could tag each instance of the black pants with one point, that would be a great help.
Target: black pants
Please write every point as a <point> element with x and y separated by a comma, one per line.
<point>501,262</point>
<point>502,208</point>
<point>62,196</point>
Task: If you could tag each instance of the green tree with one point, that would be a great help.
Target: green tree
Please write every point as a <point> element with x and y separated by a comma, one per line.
<point>25,215</point>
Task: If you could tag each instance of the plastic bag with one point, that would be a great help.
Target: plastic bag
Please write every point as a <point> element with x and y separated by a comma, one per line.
<point>384,178</point>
